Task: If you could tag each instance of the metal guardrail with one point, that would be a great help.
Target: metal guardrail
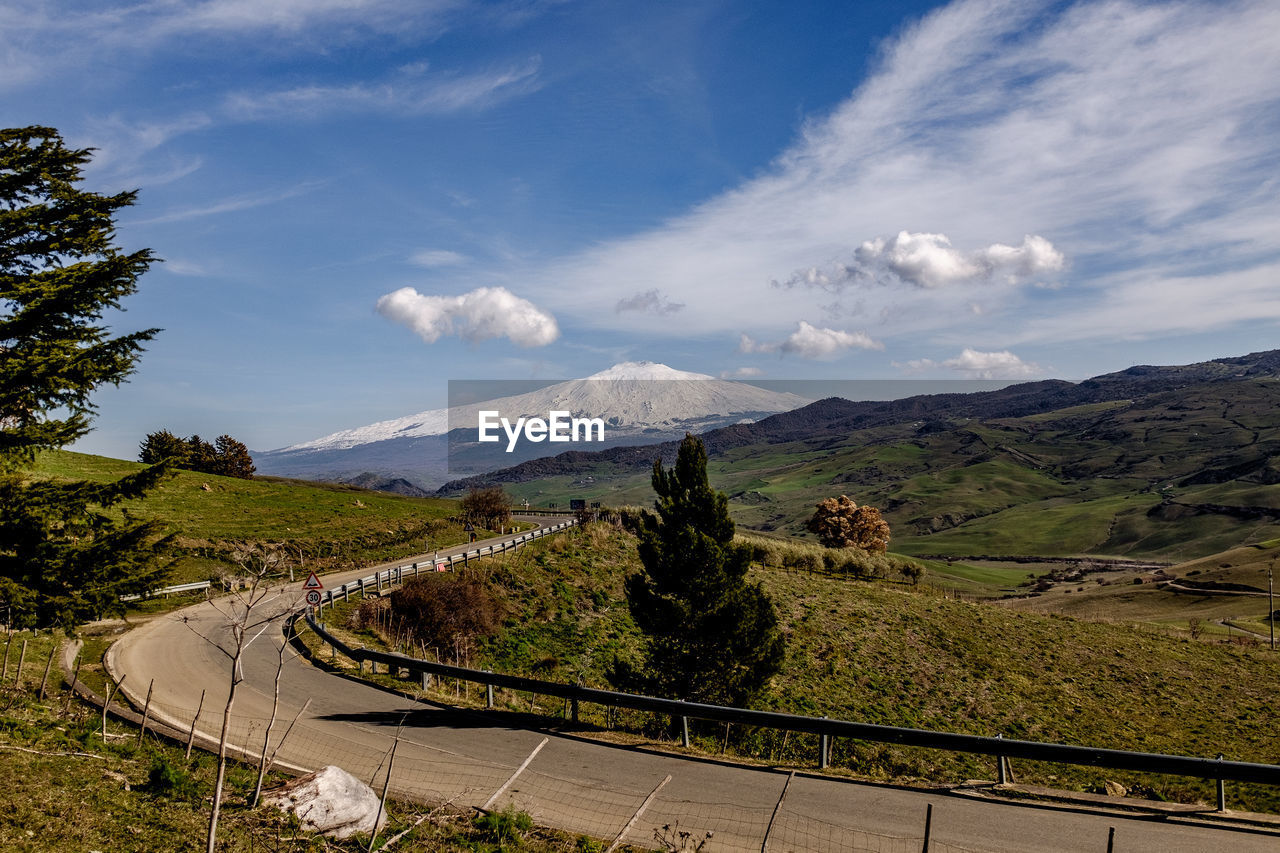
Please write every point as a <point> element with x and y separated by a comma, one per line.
<point>450,561</point>
<point>1002,748</point>
<point>397,574</point>
<point>1178,765</point>
<point>182,587</point>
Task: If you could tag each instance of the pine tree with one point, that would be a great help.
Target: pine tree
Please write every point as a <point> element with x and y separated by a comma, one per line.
<point>710,635</point>
<point>62,559</point>
<point>163,445</point>
<point>232,459</point>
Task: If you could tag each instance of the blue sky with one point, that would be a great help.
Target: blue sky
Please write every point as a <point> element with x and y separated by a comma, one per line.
<point>358,200</point>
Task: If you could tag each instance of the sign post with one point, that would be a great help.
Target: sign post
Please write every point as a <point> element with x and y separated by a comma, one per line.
<point>313,586</point>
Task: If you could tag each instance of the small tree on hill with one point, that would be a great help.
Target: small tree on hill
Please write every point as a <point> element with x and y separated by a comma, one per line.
<point>232,459</point>
<point>489,507</point>
<point>841,523</point>
<point>226,456</point>
<point>160,446</point>
<point>710,636</point>
<point>200,456</point>
<point>63,560</point>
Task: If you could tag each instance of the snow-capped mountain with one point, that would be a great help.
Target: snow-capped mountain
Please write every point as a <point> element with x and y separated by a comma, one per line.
<point>639,402</point>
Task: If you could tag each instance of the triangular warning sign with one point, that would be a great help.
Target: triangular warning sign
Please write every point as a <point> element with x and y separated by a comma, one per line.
<point>313,582</point>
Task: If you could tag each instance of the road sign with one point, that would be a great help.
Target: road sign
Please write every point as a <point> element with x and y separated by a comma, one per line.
<point>313,597</point>
<point>313,582</point>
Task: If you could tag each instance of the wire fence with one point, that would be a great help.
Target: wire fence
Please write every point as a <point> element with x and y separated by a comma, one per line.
<point>634,813</point>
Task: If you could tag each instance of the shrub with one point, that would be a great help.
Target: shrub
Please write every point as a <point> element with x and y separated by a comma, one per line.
<point>841,523</point>
<point>447,611</point>
<point>166,780</point>
<point>506,828</point>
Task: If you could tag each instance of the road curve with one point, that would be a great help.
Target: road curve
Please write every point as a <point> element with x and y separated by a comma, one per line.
<point>576,784</point>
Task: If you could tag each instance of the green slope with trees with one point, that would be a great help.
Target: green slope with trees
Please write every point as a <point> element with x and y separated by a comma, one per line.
<point>317,525</point>
<point>1183,468</point>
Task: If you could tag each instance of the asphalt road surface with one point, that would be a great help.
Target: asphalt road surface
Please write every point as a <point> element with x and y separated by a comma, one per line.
<point>577,784</point>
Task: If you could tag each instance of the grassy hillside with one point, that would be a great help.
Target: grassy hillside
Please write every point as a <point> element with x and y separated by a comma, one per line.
<point>67,789</point>
<point>320,525</point>
<point>888,653</point>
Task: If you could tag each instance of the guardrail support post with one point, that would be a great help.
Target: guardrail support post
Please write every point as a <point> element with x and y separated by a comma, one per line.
<point>573,709</point>
<point>426,679</point>
<point>684,731</point>
<point>1222,789</point>
<point>488,694</point>
<point>824,752</point>
<point>1002,772</point>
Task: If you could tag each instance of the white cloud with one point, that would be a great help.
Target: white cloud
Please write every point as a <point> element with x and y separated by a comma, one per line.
<point>482,314</point>
<point>976,364</point>
<point>809,341</point>
<point>127,152</point>
<point>929,261</point>
<point>411,91</point>
<point>230,205</point>
<point>431,258</point>
<point>652,301</point>
<point>286,17</point>
<point>37,39</point>
<point>1131,137</point>
<point>741,373</point>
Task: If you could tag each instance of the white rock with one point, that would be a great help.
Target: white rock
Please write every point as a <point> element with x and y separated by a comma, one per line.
<point>330,801</point>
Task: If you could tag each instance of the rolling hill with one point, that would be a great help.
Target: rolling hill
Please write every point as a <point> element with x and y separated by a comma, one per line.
<point>1168,462</point>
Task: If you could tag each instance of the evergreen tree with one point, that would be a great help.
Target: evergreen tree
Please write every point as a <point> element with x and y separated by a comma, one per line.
<point>200,456</point>
<point>710,635</point>
<point>62,559</point>
<point>232,459</point>
<point>163,445</point>
<point>226,456</point>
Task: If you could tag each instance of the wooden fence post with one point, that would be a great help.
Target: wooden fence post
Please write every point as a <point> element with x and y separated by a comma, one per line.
<point>44,682</point>
<point>146,711</point>
<point>22,656</point>
<point>191,735</point>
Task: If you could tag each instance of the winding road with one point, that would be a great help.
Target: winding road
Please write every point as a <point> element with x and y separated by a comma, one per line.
<point>466,756</point>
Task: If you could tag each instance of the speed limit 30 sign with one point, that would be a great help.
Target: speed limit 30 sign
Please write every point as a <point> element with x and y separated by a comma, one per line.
<point>313,597</point>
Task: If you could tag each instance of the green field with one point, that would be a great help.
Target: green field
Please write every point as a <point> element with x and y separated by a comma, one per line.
<point>1118,598</point>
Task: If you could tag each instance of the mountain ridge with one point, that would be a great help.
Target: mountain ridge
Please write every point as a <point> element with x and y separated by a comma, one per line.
<point>639,401</point>
<point>1149,461</point>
